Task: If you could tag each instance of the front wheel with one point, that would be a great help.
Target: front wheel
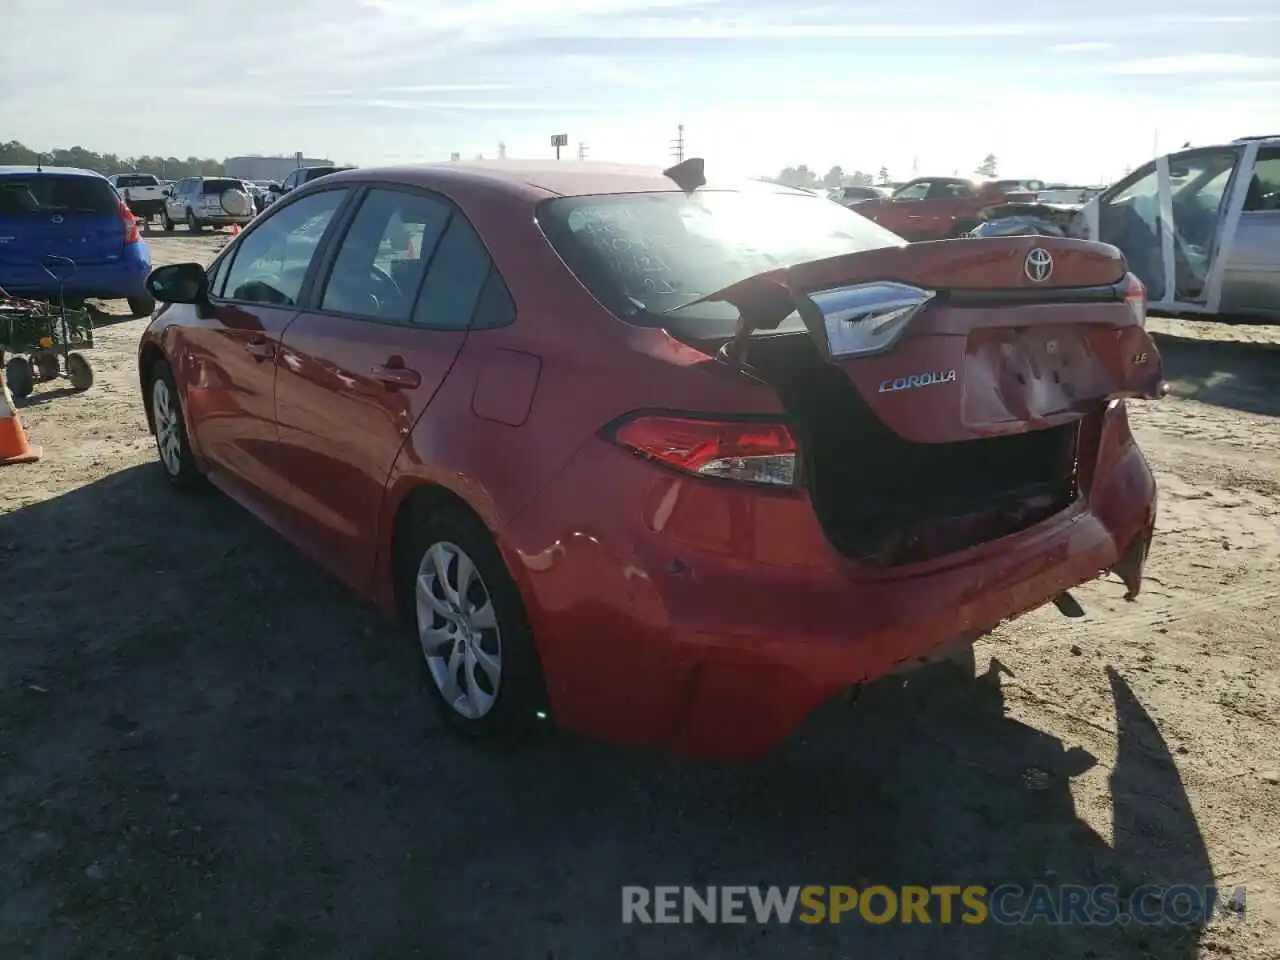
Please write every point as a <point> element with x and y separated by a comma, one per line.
<point>166,222</point>
<point>19,377</point>
<point>172,443</point>
<point>482,669</point>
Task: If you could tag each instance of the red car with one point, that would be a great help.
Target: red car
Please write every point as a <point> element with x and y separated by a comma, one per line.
<point>670,462</point>
<point>935,208</point>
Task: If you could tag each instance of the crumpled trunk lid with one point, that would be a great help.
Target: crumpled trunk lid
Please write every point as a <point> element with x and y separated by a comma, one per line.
<point>1011,334</point>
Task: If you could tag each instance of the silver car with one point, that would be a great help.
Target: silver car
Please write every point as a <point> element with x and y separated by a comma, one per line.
<point>1201,228</point>
<point>201,202</point>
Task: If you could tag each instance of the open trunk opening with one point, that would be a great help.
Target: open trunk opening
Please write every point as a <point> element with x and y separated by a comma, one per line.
<point>886,500</point>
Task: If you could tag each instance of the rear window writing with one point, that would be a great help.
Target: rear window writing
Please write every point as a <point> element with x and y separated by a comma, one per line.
<point>50,193</point>
<point>654,252</point>
<point>137,180</point>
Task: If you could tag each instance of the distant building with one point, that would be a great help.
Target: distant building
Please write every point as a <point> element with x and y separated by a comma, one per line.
<point>268,168</point>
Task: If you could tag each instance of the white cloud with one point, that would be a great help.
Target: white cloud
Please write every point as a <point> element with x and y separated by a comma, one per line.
<point>1089,46</point>
<point>1197,63</point>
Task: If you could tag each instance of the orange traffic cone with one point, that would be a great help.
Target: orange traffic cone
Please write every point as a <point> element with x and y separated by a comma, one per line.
<point>235,229</point>
<point>13,439</point>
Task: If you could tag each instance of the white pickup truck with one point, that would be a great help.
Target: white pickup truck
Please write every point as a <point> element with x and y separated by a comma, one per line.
<point>143,193</point>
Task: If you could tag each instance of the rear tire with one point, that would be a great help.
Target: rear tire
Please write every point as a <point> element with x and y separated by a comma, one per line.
<point>172,443</point>
<point>18,377</point>
<point>79,372</point>
<point>193,224</point>
<point>140,307</point>
<point>480,666</point>
<point>166,222</point>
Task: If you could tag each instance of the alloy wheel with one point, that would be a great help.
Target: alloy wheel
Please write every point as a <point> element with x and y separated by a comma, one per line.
<point>458,630</point>
<point>168,437</point>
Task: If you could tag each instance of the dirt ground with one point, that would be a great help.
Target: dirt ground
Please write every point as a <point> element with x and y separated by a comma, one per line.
<point>209,750</point>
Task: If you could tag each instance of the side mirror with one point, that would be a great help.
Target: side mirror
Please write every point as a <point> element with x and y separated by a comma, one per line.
<point>179,283</point>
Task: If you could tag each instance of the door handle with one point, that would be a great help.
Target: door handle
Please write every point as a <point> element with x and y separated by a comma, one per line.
<point>394,377</point>
<point>261,349</point>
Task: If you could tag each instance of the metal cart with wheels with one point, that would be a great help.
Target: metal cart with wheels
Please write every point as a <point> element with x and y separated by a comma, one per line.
<point>46,339</point>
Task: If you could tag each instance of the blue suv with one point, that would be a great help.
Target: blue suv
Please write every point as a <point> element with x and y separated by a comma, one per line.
<point>62,212</point>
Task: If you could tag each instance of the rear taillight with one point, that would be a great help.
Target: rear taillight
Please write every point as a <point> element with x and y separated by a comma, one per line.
<point>1135,297</point>
<point>868,318</point>
<point>748,451</point>
<point>131,232</point>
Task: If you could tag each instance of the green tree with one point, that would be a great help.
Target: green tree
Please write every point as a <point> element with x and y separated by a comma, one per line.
<point>860,179</point>
<point>834,178</point>
<point>987,168</point>
<point>170,168</point>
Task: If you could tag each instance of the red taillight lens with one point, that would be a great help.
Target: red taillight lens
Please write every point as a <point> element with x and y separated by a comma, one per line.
<point>1135,295</point>
<point>748,451</point>
<point>132,234</point>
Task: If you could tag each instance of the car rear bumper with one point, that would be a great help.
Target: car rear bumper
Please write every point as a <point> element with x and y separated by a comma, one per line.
<point>685,615</point>
<point>145,208</point>
<point>213,220</point>
<point>125,278</point>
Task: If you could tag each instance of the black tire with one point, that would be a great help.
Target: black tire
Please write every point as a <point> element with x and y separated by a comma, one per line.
<point>180,470</point>
<point>18,377</point>
<point>79,372</point>
<point>519,704</point>
<point>166,222</point>
<point>194,225</point>
<point>143,306</point>
<point>47,366</point>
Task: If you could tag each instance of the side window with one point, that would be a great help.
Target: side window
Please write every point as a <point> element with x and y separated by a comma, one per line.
<point>272,260</point>
<point>291,180</point>
<point>1264,188</point>
<point>913,191</point>
<point>455,280</point>
<point>495,307</point>
<point>383,257</point>
<point>218,276</point>
<point>950,191</point>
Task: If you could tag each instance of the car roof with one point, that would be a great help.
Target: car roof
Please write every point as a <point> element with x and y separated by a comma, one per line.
<point>25,170</point>
<point>538,179</point>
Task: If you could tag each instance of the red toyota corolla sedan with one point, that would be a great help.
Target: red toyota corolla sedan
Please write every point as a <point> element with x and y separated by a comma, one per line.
<point>669,461</point>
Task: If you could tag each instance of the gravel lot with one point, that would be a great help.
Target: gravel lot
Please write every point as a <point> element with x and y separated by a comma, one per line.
<point>209,750</point>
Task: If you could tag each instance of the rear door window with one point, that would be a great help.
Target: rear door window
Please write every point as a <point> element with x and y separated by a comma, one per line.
<point>1263,195</point>
<point>272,260</point>
<point>382,259</point>
<point>216,186</point>
<point>45,193</point>
<point>456,278</point>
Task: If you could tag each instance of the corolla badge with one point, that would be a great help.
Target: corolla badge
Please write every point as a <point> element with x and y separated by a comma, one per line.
<point>1038,265</point>
<point>915,380</point>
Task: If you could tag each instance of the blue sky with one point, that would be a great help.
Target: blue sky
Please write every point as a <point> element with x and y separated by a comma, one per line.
<point>1075,89</point>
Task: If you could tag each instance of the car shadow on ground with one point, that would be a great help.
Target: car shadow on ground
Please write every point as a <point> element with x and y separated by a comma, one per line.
<point>211,750</point>
<point>1243,376</point>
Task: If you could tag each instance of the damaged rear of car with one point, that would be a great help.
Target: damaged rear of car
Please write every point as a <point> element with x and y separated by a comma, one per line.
<point>949,447</point>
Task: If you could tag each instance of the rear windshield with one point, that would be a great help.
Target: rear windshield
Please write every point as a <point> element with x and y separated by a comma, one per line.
<point>643,254</point>
<point>137,180</point>
<point>52,193</point>
<point>220,185</point>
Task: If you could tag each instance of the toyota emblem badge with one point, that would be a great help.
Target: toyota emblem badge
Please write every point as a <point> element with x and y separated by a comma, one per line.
<point>1038,265</point>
